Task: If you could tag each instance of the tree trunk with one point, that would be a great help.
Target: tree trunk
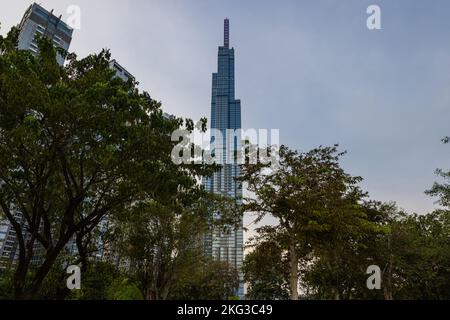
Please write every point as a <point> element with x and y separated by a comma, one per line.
<point>165,289</point>
<point>150,295</point>
<point>46,266</point>
<point>293,272</point>
<point>387,288</point>
<point>19,278</point>
<point>22,270</point>
<point>337,296</point>
<point>337,293</point>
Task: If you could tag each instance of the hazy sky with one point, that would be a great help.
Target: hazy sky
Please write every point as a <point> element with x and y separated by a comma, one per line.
<point>309,68</point>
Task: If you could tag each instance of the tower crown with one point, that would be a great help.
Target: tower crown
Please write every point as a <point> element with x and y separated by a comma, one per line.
<point>226,33</point>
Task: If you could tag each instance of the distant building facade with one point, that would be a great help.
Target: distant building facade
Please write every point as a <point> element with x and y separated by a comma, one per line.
<point>39,22</point>
<point>8,243</point>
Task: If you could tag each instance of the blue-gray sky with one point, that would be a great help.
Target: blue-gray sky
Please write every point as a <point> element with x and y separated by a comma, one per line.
<point>309,68</point>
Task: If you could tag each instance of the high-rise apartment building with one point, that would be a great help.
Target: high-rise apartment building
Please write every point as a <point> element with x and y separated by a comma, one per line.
<point>39,22</point>
<point>225,115</point>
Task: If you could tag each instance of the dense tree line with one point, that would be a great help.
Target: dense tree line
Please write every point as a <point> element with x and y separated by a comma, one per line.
<point>86,178</point>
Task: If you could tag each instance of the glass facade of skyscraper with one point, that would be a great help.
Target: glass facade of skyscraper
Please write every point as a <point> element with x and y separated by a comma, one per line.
<point>225,115</point>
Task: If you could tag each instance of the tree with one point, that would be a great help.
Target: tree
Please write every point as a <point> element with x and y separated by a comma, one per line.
<point>419,250</point>
<point>96,282</point>
<point>358,248</point>
<point>6,285</point>
<point>315,202</point>
<point>265,268</point>
<point>162,236</point>
<point>124,289</point>
<point>77,144</point>
<point>160,240</point>
<point>411,250</point>
<point>205,279</point>
<point>154,241</point>
<point>442,190</point>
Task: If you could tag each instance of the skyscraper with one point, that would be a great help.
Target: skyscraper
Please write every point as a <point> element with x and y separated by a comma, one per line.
<point>38,21</point>
<point>225,115</point>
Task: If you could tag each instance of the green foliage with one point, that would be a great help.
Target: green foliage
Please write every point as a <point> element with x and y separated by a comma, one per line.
<point>442,190</point>
<point>6,284</point>
<point>161,241</point>
<point>96,282</point>
<point>266,270</point>
<point>337,235</point>
<point>124,290</point>
<point>205,279</point>
<point>77,144</point>
<point>421,255</point>
<point>315,202</point>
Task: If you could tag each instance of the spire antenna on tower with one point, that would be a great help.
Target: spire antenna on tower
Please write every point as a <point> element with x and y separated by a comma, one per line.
<point>226,29</point>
